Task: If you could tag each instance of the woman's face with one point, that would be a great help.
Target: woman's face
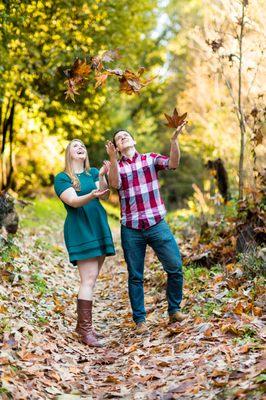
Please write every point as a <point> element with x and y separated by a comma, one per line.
<point>78,151</point>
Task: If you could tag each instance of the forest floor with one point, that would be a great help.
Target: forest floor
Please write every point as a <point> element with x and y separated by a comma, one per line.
<point>216,353</point>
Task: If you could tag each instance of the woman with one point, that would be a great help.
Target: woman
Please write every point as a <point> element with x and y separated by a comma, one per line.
<point>87,234</point>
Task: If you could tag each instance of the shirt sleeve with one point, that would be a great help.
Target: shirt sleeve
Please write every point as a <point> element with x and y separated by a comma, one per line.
<point>161,162</point>
<point>119,177</point>
<point>95,174</point>
<point>61,183</point>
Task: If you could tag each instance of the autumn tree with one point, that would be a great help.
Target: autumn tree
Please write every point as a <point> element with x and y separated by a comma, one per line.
<point>37,38</point>
<point>224,81</point>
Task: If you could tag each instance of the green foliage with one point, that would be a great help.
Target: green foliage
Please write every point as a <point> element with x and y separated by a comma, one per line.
<point>39,283</point>
<point>35,40</point>
<point>168,38</point>
<point>42,212</point>
<point>253,263</point>
<point>9,251</point>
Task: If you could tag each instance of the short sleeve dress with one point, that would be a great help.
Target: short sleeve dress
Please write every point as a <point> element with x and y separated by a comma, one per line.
<point>86,230</point>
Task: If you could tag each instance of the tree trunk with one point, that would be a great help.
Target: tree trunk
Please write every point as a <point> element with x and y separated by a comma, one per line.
<point>7,127</point>
<point>241,119</point>
<point>11,137</point>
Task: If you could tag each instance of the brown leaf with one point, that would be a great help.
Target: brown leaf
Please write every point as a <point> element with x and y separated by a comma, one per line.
<point>80,68</point>
<point>116,71</point>
<point>71,89</point>
<point>175,120</point>
<point>96,63</point>
<point>184,387</point>
<point>110,55</point>
<point>232,328</point>
<point>257,311</point>
<point>238,309</point>
<point>217,373</point>
<point>101,79</point>
<point>112,379</point>
<point>131,83</point>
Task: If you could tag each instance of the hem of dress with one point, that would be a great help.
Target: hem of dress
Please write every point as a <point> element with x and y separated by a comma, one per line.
<point>88,255</point>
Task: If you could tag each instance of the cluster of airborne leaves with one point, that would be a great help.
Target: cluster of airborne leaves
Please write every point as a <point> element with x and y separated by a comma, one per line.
<point>78,74</point>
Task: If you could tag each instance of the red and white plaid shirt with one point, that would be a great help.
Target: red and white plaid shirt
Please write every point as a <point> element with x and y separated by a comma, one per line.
<point>139,192</point>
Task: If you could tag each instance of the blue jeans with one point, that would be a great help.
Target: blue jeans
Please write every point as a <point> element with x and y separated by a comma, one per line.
<point>162,241</point>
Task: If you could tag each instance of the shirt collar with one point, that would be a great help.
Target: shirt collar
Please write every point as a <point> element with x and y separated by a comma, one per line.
<point>130,160</point>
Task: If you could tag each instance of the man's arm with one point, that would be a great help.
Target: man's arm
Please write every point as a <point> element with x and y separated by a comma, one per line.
<point>113,174</point>
<point>174,149</point>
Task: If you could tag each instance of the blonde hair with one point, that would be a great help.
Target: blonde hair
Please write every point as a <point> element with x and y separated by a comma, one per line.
<point>69,168</point>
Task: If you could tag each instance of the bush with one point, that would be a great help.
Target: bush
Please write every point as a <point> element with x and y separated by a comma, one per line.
<point>253,262</point>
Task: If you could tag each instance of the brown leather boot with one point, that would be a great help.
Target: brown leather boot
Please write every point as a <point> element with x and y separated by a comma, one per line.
<point>98,335</point>
<point>84,323</point>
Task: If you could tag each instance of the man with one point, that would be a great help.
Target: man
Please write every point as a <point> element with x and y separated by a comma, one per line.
<point>135,176</point>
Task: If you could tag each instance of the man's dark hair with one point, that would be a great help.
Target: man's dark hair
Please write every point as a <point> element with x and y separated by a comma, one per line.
<point>116,132</point>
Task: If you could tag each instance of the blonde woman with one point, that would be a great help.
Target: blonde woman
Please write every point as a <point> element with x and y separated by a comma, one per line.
<point>87,234</point>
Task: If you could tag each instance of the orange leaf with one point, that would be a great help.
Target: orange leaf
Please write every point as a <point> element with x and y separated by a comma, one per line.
<point>238,309</point>
<point>101,79</point>
<point>257,311</point>
<point>112,379</point>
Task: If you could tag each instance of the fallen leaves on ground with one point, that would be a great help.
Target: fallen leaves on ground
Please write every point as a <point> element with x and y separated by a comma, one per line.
<point>215,353</point>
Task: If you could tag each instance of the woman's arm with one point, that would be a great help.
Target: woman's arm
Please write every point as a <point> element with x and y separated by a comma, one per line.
<point>103,184</point>
<point>70,197</point>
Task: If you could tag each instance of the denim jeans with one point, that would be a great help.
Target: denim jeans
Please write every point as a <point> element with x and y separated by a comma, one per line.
<point>162,241</point>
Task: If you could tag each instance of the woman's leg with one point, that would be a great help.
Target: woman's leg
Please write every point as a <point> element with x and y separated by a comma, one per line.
<point>88,271</point>
<point>100,263</point>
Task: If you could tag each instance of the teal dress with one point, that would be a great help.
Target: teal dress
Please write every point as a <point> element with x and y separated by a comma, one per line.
<point>86,230</point>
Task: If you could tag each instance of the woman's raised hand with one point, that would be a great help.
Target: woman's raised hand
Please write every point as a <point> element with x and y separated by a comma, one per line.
<point>105,168</point>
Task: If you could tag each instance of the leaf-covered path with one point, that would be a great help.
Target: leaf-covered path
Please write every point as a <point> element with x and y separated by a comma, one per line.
<point>215,354</point>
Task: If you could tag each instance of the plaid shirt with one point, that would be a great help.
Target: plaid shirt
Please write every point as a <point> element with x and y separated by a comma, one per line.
<point>141,202</point>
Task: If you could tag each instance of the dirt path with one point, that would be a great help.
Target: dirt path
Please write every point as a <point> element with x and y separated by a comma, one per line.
<point>42,359</point>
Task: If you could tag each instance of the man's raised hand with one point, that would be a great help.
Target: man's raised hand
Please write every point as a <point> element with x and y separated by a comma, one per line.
<point>111,150</point>
<point>178,131</point>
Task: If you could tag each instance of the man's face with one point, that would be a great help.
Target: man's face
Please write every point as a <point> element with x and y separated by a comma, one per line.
<point>123,140</point>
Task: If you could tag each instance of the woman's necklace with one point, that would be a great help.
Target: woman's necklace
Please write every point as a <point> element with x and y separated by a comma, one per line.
<point>80,173</point>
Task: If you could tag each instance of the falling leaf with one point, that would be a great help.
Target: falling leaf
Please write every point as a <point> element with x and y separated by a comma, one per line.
<point>96,63</point>
<point>101,79</point>
<point>78,71</point>
<point>110,55</point>
<point>132,83</point>
<point>175,120</point>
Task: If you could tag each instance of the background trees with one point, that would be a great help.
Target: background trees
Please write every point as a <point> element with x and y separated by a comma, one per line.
<point>194,50</point>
